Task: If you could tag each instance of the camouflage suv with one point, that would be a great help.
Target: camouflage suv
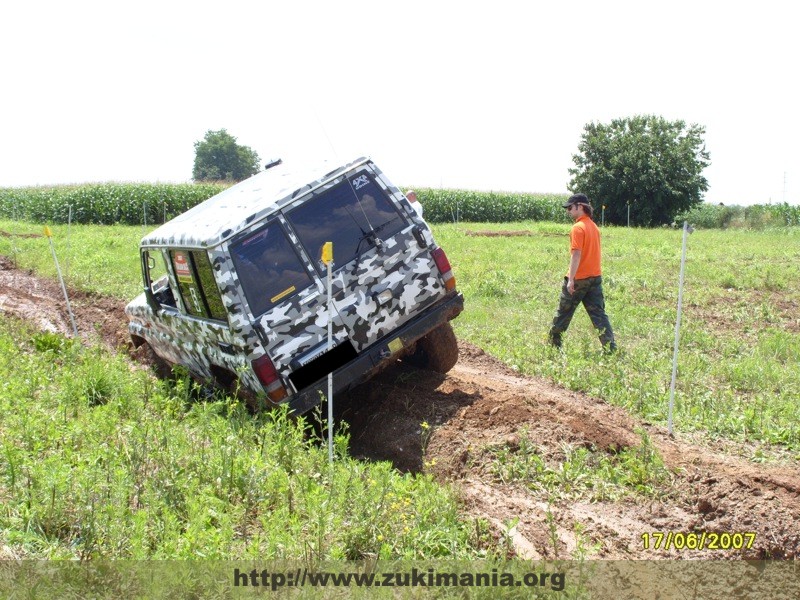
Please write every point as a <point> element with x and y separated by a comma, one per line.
<point>235,289</point>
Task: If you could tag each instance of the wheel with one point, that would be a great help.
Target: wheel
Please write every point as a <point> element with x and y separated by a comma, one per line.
<point>437,351</point>
<point>148,356</point>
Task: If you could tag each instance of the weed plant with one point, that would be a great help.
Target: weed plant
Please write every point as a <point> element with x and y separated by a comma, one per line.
<point>581,473</point>
<point>758,216</point>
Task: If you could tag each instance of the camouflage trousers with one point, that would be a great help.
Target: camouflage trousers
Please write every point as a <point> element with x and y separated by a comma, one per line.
<point>589,292</point>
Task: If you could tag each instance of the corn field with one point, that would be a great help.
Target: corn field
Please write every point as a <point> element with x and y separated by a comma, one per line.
<point>449,205</point>
<point>104,203</point>
<point>154,203</point>
<point>137,203</point>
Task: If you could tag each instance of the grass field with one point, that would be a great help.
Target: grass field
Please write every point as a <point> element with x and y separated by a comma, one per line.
<point>739,345</point>
<point>80,430</point>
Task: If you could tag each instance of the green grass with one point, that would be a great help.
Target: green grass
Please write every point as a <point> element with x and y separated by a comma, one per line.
<point>99,258</point>
<point>739,350</point>
<point>578,472</point>
<point>101,461</point>
<point>98,460</point>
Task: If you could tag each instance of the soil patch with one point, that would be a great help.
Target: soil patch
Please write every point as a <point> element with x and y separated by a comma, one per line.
<point>499,233</point>
<point>21,235</point>
<point>511,233</point>
<point>41,301</point>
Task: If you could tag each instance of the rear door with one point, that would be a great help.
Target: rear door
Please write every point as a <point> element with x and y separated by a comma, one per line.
<point>382,275</point>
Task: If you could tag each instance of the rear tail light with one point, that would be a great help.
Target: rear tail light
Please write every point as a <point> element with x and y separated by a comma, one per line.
<point>269,378</point>
<point>440,258</point>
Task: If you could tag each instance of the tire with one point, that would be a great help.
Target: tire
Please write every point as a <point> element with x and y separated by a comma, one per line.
<point>148,356</point>
<point>437,351</point>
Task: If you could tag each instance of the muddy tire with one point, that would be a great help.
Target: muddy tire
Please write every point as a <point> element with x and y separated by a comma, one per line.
<point>146,355</point>
<point>437,351</point>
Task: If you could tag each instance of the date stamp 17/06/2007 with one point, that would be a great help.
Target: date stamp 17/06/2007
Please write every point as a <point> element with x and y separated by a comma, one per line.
<point>697,540</point>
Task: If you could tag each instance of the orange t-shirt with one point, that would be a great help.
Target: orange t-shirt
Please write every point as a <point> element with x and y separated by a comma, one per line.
<point>585,237</point>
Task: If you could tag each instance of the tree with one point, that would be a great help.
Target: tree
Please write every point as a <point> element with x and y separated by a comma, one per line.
<point>218,156</point>
<point>646,161</point>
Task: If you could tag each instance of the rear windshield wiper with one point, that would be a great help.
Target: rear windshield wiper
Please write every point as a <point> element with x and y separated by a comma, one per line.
<point>383,226</point>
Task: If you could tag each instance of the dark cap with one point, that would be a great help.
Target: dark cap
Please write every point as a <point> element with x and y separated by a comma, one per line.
<point>577,199</point>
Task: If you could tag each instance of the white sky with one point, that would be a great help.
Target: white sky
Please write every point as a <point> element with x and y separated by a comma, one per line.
<point>478,95</point>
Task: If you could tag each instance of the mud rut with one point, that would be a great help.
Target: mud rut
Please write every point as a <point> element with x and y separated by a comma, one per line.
<point>481,404</point>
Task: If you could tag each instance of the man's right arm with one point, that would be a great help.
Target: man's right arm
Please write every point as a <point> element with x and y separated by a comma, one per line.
<point>574,261</point>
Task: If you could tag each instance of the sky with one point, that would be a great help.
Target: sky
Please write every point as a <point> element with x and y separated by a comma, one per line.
<point>440,93</point>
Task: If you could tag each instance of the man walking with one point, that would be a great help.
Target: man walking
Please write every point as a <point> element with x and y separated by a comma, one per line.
<point>584,282</point>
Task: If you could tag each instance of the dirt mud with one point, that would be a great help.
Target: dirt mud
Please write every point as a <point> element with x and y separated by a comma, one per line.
<point>455,426</point>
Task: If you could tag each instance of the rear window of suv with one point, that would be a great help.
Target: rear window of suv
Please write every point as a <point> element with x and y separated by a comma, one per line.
<point>349,215</point>
<point>269,268</point>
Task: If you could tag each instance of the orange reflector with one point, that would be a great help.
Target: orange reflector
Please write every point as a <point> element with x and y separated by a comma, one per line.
<point>277,394</point>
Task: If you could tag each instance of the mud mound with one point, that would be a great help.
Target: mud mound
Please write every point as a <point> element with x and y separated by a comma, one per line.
<point>454,425</point>
<point>484,404</point>
<point>41,302</point>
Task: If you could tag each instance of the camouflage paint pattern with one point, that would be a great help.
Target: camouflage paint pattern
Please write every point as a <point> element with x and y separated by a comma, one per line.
<point>296,328</point>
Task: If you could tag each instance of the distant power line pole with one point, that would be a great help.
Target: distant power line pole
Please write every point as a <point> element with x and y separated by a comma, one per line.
<point>784,187</point>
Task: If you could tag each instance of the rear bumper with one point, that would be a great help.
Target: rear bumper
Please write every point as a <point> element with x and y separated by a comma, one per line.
<point>371,360</point>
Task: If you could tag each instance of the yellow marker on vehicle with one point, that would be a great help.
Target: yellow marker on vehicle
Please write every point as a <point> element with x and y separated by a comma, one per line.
<point>395,345</point>
<point>327,253</point>
<point>284,293</point>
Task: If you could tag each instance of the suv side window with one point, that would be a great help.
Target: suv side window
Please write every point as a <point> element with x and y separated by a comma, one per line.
<point>197,285</point>
<point>268,267</point>
<point>347,215</point>
<point>155,271</point>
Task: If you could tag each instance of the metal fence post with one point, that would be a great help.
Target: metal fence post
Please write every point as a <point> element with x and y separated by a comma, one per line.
<point>49,235</point>
<point>327,258</point>
<point>686,231</point>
